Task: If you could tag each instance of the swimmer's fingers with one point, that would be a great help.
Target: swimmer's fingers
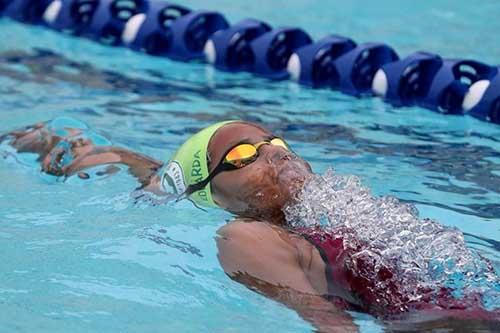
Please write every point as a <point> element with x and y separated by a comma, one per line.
<point>39,140</point>
<point>41,134</point>
<point>26,130</point>
<point>51,162</point>
<point>33,133</point>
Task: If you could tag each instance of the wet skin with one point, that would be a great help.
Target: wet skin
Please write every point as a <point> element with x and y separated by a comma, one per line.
<point>256,193</point>
<point>256,248</point>
<point>261,189</point>
<point>40,140</point>
<point>33,139</point>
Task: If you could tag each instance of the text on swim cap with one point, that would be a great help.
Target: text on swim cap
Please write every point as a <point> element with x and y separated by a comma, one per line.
<point>197,175</point>
<point>175,177</point>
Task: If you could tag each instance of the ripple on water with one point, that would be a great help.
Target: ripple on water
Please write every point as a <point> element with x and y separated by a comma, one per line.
<point>41,218</point>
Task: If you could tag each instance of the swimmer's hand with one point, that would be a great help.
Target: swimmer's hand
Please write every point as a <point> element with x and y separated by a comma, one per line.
<point>35,139</point>
<point>67,150</point>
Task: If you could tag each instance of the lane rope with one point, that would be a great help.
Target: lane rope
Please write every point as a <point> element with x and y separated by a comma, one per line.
<point>159,28</point>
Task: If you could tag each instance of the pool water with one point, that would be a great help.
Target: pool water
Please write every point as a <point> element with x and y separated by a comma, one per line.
<point>81,256</point>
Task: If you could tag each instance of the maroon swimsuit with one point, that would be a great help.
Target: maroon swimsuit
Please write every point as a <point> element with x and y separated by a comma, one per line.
<point>375,289</point>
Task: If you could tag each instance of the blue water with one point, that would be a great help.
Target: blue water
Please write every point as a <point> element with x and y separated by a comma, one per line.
<point>80,256</point>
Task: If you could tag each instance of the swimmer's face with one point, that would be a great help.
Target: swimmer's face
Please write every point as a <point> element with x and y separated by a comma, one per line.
<point>262,188</point>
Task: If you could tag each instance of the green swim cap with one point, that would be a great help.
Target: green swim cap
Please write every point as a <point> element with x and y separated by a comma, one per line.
<point>189,166</point>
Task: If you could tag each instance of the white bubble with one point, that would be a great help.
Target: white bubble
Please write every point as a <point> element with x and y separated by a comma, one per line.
<point>423,252</point>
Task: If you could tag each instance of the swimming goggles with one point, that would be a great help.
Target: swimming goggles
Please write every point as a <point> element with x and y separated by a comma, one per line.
<point>236,157</point>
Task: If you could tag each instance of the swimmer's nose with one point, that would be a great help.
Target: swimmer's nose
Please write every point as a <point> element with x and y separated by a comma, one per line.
<point>275,154</point>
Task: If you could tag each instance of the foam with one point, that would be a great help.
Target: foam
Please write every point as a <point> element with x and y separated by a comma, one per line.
<point>423,252</point>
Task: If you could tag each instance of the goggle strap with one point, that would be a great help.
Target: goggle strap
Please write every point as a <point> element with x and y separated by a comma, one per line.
<point>201,185</point>
<point>218,169</point>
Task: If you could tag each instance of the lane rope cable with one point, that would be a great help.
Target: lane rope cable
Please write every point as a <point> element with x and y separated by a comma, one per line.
<point>164,29</point>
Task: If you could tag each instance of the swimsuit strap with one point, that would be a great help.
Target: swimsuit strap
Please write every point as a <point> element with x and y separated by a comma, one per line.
<point>331,251</point>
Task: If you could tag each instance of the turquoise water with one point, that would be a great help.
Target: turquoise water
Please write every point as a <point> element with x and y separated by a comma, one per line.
<point>81,256</point>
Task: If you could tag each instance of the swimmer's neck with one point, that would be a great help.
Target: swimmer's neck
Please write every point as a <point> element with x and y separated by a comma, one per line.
<point>275,217</point>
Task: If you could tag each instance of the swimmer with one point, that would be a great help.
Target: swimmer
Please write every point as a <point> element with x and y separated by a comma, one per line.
<point>246,170</point>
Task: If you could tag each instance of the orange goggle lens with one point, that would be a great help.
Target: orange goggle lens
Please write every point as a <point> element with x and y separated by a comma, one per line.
<point>241,153</point>
<point>247,152</point>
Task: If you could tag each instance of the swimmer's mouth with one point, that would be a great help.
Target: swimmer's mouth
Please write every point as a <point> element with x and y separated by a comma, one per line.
<point>292,176</point>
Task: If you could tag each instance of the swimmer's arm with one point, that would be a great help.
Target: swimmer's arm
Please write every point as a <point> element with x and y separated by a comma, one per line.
<point>143,167</point>
<point>38,139</point>
<point>265,260</point>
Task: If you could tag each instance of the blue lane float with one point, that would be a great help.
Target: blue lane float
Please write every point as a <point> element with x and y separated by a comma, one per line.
<point>406,82</point>
<point>71,16</point>
<point>151,32</point>
<point>483,99</point>
<point>273,49</point>
<point>27,11</point>
<point>109,19</point>
<point>448,86</point>
<point>313,65</point>
<point>357,67</point>
<point>230,49</point>
<point>192,31</point>
<point>452,82</point>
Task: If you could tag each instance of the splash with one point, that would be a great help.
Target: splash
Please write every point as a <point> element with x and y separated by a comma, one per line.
<point>424,254</point>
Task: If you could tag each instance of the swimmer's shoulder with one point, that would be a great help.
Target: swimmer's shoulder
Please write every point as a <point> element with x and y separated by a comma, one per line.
<point>242,225</point>
<point>245,230</point>
<point>271,253</point>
